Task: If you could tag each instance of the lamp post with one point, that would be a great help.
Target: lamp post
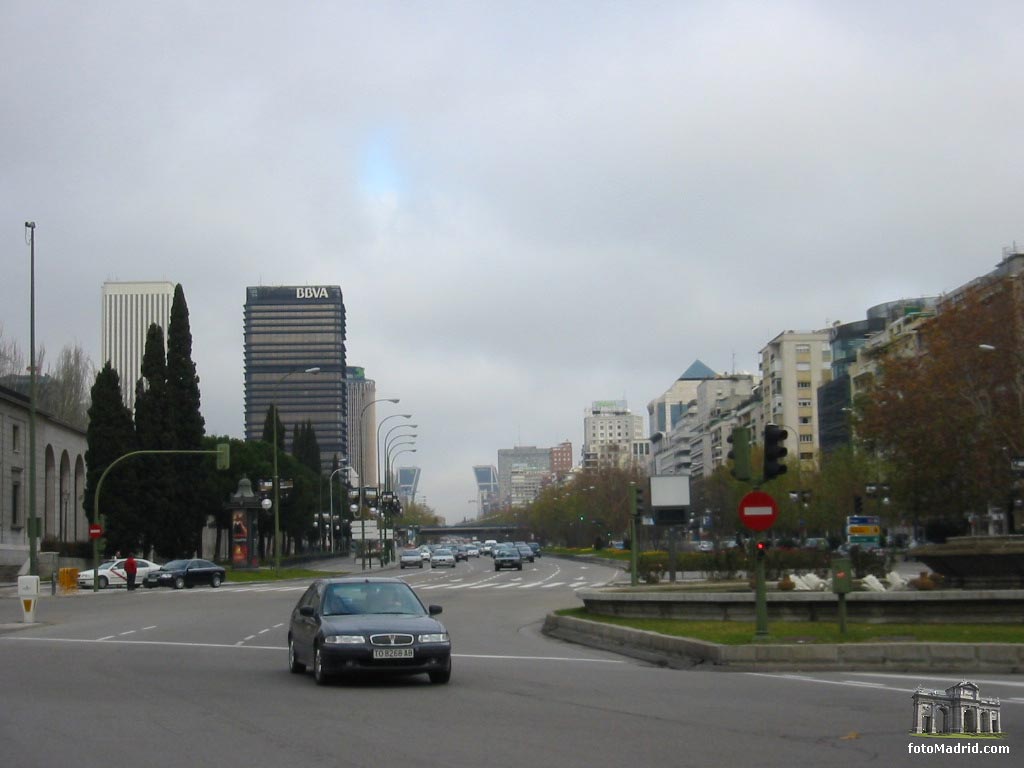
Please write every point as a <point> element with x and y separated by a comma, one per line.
<point>362,466</point>
<point>381,424</point>
<point>33,533</point>
<point>277,480</point>
<point>388,444</point>
<point>330,497</point>
<point>390,458</point>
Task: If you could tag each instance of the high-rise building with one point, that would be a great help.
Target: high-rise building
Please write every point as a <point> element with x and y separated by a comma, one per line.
<point>486,488</point>
<point>128,309</point>
<point>288,331</point>
<point>362,436</point>
<point>407,483</point>
<point>522,458</point>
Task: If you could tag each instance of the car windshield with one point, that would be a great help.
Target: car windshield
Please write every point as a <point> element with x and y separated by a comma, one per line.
<point>443,552</point>
<point>411,553</point>
<point>176,565</point>
<point>347,599</point>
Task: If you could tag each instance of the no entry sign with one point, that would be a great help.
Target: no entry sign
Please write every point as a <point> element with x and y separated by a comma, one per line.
<point>95,531</point>
<point>758,511</point>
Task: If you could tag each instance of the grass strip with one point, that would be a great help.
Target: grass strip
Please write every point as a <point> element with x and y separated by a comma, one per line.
<point>742,632</point>
<point>245,575</point>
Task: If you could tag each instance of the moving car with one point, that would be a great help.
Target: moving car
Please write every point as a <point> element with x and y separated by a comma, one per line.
<point>411,558</point>
<point>442,557</point>
<point>185,573</point>
<point>367,625</point>
<point>507,557</point>
<point>525,552</point>
<point>112,573</point>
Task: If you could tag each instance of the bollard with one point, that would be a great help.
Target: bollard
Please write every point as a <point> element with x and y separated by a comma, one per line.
<point>53,583</point>
<point>28,591</point>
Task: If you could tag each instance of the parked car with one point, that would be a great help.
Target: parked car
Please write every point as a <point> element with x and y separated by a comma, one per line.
<point>112,573</point>
<point>507,557</point>
<point>410,558</point>
<point>367,625</point>
<point>442,557</point>
<point>186,573</point>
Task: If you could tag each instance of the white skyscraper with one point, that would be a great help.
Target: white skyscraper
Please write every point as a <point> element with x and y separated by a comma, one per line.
<point>128,311</point>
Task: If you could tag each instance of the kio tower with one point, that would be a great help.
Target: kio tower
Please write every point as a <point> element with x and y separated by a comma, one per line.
<point>289,330</point>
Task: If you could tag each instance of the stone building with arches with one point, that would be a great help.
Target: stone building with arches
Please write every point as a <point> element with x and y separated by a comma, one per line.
<point>958,709</point>
<point>60,479</point>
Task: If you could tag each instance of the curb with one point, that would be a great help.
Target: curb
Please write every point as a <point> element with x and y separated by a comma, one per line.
<point>686,653</point>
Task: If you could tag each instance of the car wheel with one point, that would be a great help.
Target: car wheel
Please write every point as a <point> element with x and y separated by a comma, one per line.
<point>294,666</point>
<point>401,567</point>
<point>215,580</point>
<point>103,582</point>
<point>318,667</point>
<point>441,676</point>
<point>179,582</point>
<point>497,567</point>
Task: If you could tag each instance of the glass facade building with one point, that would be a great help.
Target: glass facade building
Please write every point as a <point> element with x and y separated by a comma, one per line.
<point>289,329</point>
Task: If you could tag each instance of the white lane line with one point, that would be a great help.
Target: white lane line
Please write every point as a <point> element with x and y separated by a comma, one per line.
<point>108,637</point>
<point>278,626</point>
<point>263,632</point>
<point>506,586</point>
<point>531,584</point>
<point>152,626</point>
<point>553,584</point>
<point>926,676</point>
<point>129,632</point>
<point>281,648</point>
<point>250,637</point>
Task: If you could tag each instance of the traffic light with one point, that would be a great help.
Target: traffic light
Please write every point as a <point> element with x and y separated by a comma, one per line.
<point>740,453</point>
<point>774,451</point>
<point>760,550</point>
<point>640,501</point>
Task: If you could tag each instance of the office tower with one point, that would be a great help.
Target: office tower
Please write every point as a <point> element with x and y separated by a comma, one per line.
<point>128,309</point>
<point>361,394</point>
<point>290,330</point>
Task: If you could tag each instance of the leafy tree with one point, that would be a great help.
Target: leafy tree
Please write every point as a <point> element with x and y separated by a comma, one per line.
<point>109,436</point>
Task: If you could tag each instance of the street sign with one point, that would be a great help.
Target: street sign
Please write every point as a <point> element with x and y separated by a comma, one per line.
<point>758,511</point>
<point>863,520</point>
<point>874,540</point>
<point>863,530</point>
<point>95,531</point>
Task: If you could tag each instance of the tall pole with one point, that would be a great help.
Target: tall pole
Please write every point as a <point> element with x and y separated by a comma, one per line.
<point>362,471</point>
<point>277,479</point>
<point>388,461</point>
<point>379,425</point>
<point>330,498</point>
<point>33,521</point>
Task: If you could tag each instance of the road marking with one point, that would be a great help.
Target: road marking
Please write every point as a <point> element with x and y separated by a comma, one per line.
<point>263,632</point>
<point>129,632</point>
<point>536,658</point>
<point>108,637</point>
<point>250,637</point>
<point>152,626</point>
<point>553,584</point>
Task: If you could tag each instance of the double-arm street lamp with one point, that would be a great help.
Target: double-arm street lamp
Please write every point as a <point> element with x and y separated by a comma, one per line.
<point>362,467</point>
<point>277,480</point>
<point>33,521</point>
<point>389,461</point>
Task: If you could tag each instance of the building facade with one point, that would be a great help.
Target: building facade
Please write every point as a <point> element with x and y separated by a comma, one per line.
<point>486,476</point>
<point>613,436</point>
<point>127,312</point>
<point>522,458</point>
<point>407,483</point>
<point>289,330</point>
<point>60,479</point>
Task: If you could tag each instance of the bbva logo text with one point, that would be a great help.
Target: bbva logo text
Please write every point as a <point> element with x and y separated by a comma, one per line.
<point>311,293</point>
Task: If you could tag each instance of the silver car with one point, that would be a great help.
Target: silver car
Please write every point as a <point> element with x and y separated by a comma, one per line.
<point>411,558</point>
<point>442,557</point>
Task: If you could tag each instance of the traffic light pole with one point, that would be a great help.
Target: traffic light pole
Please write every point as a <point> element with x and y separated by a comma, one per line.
<point>633,546</point>
<point>761,595</point>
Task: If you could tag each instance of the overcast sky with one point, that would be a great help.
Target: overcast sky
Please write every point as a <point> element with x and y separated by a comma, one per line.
<point>528,206</point>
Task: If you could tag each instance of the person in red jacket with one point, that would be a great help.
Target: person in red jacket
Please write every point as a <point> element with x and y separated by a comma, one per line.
<point>130,569</point>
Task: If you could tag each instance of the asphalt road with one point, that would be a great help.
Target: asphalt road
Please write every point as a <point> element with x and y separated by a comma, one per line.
<point>198,678</point>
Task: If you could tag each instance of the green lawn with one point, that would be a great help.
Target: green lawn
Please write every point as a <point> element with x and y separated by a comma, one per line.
<point>742,633</point>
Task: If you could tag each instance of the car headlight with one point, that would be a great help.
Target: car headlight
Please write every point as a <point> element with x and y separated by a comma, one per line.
<point>434,637</point>
<point>344,639</point>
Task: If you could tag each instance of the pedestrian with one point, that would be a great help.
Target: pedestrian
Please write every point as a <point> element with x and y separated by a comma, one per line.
<point>130,569</point>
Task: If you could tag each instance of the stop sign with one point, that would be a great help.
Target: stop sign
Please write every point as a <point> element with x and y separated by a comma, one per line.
<point>95,531</point>
<point>758,511</point>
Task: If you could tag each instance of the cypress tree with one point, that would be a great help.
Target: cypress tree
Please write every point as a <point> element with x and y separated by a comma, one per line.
<point>268,428</point>
<point>109,436</point>
<point>187,429</point>
<point>153,433</point>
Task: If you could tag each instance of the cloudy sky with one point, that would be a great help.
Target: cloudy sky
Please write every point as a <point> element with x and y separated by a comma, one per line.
<point>528,205</point>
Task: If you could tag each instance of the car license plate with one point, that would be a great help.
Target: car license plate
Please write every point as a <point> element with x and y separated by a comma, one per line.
<point>392,653</point>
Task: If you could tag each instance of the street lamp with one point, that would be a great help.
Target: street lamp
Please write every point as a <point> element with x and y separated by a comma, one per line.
<point>277,480</point>
<point>381,424</point>
<point>33,533</point>
<point>330,497</point>
<point>362,465</point>
<point>390,458</point>
<point>388,444</point>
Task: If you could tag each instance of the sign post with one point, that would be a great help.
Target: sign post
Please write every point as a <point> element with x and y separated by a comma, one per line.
<point>758,511</point>
<point>28,591</point>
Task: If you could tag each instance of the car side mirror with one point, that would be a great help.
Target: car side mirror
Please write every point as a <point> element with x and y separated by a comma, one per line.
<point>434,610</point>
<point>307,610</point>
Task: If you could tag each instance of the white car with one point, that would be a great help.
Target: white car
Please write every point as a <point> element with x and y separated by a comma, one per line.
<point>442,557</point>
<point>112,573</point>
